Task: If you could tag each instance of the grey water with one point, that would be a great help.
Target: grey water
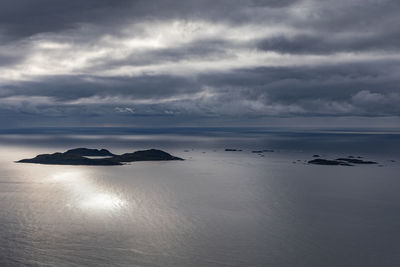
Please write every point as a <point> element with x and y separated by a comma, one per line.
<point>216,208</point>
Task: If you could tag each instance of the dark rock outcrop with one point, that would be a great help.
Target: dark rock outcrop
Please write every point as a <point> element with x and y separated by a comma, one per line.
<point>232,149</point>
<point>68,159</point>
<point>328,162</point>
<point>145,155</point>
<point>357,161</point>
<point>89,152</point>
<point>71,158</point>
<point>341,161</point>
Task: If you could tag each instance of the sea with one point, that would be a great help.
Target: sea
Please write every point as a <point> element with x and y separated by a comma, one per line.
<point>215,208</point>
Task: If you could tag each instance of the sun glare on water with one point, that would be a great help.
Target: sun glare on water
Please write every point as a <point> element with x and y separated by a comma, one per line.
<point>102,201</point>
<point>86,194</point>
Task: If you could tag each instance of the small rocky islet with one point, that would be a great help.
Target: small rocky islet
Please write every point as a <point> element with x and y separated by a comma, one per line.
<point>349,161</point>
<point>79,156</point>
<point>262,151</point>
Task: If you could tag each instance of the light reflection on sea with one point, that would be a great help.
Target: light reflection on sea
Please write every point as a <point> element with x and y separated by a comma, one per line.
<point>216,208</point>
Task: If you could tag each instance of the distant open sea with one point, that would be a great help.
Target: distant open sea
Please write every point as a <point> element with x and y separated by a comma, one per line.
<point>216,208</point>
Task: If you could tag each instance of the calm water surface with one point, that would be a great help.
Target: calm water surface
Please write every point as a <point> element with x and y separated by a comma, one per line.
<point>216,208</point>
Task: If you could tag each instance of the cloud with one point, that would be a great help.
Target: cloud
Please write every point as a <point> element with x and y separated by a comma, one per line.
<point>377,103</point>
<point>330,44</point>
<point>124,110</point>
<point>120,59</point>
<point>366,97</point>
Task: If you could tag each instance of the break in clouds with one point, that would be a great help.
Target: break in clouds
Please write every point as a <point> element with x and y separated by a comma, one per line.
<point>116,61</point>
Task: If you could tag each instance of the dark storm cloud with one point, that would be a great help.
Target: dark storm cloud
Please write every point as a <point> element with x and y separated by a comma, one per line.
<point>331,90</point>
<point>363,16</point>
<point>23,18</point>
<point>326,44</point>
<point>69,88</point>
<point>120,59</point>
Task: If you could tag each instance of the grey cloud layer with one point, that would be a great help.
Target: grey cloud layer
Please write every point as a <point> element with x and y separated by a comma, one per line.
<point>22,18</point>
<point>124,59</point>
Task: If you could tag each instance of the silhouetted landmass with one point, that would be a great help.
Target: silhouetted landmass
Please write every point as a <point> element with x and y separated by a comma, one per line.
<point>232,149</point>
<point>328,162</point>
<point>70,158</point>
<point>315,156</point>
<point>268,150</point>
<point>341,161</point>
<point>89,152</point>
<point>145,155</point>
<point>357,161</point>
<point>257,151</point>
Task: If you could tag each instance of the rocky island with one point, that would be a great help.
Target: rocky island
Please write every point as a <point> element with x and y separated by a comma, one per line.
<point>328,162</point>
<point>340,161</point>
<point>89,152</point>
<point>357,161</point>
<point>79,156</point>
<point>145,155</point>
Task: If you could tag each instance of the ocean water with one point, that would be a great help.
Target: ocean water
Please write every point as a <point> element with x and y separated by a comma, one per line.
<point>216,208</point>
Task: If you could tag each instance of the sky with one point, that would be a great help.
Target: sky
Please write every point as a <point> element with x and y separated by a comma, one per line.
<point>323,63</point>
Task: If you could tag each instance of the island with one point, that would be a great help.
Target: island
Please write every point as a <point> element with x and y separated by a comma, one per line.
<point>145,155</point>
<point>68,159</point>
<point>328,162</point>
<point>79,156</point>
<point>89,152</point>
<point>357,161</point>
<point>341,161</point>
<point>262,151</point>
